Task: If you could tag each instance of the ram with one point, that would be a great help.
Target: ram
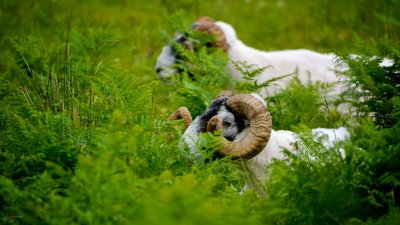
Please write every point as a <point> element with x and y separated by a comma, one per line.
<point>307,65</point>
<point>247,134</point>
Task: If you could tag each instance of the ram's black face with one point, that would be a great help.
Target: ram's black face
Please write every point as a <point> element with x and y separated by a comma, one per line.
<point>232,124</point>
<point>169,57</point>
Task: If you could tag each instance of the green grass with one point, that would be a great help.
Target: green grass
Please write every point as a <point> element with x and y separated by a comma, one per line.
<point>84,137</point>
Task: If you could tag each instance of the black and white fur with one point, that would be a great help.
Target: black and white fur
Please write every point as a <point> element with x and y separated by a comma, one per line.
<point>235,128</point>
<point>232,124</point>
<point>309,66</point>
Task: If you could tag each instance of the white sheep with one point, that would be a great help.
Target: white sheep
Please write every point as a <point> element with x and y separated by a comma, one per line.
<point>306,64</point>
<point>247,134</point>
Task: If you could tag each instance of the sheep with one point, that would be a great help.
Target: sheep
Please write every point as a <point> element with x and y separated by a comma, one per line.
<point>247,134</point>
<point>306,64</point>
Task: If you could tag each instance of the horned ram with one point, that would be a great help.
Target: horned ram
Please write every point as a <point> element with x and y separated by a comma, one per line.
<point>306,64</point>
<point>247,134</point>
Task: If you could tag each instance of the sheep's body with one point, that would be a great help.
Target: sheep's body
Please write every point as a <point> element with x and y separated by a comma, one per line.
<point>307,65</point>
<point>255,167</point>
<point>278,141</point>
<point>284,140</point>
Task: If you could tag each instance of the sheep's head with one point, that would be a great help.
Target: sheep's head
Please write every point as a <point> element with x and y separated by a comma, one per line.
<point>170,56</point>
<point>245,123</point>
<point>259,125</point>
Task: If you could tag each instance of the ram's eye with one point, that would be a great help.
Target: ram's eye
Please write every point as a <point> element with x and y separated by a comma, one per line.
<point>226,123</point>
<point>181,39</point>
<point>178,57</point>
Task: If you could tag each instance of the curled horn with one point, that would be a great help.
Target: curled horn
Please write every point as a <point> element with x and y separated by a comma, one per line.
<point>207,24</point>
<point>182,113</point>
<point>227,93</point>
<point>260,121</point>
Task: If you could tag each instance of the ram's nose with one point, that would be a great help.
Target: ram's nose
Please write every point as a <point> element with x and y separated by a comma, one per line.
<point>160,73</point>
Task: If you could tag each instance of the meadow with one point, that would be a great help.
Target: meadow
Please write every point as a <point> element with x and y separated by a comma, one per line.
<point>84,135</point>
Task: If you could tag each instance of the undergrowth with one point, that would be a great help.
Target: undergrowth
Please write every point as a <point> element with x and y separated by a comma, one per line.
<point>84,137</point>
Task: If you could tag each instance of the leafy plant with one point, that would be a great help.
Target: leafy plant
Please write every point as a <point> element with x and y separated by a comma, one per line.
<point>379,85</point>
<point>83,131</point>
<point>301,106</point>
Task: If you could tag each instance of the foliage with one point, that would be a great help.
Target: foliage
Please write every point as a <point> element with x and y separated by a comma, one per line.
<point>249,72</point>
<point>355,188</point>
<point>202,72</point>
<point>302,105</point>
<point>379,85</point>
<point>295,108</point>
<point>83,131</point>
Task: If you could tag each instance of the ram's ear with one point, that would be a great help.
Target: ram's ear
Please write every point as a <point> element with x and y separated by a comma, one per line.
<point>214,124</point>
<point>188,45</point>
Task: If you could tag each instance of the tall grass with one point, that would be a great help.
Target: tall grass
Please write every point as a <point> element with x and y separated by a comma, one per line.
<point>83,131</point>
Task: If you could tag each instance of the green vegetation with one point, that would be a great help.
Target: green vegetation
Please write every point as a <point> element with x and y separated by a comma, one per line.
<point>84,137</point>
